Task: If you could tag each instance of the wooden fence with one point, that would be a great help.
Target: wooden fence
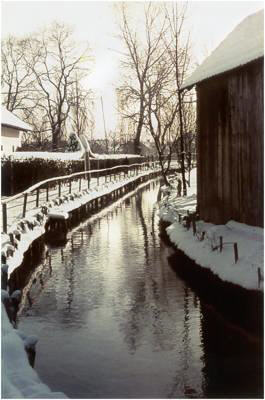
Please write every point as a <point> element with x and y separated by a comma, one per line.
<point>44,191</point>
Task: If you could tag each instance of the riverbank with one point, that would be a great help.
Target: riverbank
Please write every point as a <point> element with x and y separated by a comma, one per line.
<point>232,252</point>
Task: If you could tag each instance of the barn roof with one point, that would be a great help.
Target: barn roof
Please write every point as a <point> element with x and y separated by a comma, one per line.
<point>10,120</point>
<point>244,44</point>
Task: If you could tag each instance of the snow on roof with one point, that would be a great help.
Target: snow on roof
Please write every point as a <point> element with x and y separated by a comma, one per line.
<point>9,119</point>
<point>244,44</point>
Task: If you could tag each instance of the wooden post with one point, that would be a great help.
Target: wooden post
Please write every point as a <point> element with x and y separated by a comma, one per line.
<point>37,197</point>
<point>59,188</point>
<point>259,276</point>
<point>12,178</point>
<point>25,205</point>
<point>70,186</point>
<point>80,184</point>
<point>236,252</point>
<point>47,192</point>
<point>221,243</point>
<point>87,167</point>
<point>88,163</point>
<point>4,211</point>
<point>98,172</point>
<point>194,225</point>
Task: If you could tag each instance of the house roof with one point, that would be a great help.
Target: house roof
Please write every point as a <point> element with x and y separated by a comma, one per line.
<point>10,120</point>
<point>244,44</point>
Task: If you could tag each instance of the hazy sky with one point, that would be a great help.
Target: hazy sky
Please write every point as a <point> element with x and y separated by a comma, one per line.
<point>95,22</point>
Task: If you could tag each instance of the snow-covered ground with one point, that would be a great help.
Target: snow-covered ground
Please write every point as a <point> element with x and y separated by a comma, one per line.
<point>246,272</point>
<point>19,380</point>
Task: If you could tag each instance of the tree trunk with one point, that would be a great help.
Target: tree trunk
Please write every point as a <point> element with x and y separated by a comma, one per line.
<point>137,147</point>
<point>55,137</point>
<point>182,157</point>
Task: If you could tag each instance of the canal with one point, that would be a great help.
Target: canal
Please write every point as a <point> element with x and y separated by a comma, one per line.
<point>114,320</point>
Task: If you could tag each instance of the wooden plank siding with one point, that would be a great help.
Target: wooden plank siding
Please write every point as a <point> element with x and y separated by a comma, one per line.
<point>230,118</point>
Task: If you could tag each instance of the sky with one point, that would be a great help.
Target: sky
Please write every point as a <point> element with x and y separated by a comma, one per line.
<point>95,22</point>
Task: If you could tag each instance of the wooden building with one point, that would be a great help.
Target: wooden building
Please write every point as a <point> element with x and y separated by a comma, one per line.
<point>230,122</point>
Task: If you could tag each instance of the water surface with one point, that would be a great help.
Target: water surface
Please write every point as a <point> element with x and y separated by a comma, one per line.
<point>115,321</point>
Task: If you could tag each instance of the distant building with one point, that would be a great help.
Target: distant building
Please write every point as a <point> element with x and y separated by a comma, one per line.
<point>230,122</point>
<point>11,128</point>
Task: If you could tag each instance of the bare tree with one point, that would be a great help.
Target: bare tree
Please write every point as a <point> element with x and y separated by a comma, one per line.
<point>58,61</point>
<point>16,75</point>
<point>189,122</point>
<point>81,109</point>
<point>179,57</point>
<point>161,112</point>
<point>141,55</point>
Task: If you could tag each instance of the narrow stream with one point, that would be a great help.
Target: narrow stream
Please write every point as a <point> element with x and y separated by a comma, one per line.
<point>115,321</point>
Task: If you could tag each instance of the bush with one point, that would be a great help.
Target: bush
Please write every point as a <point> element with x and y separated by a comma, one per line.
<point>18,175</point>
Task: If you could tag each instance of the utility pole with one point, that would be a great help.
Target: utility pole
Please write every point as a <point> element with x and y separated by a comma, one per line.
<point>106,139</point>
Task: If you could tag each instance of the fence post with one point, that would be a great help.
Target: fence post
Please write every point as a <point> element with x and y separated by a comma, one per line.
<point>259,276</point>
<point>47,192</point>
<point>59,189</point>
<point>70,186</point>
<point>98,172</point>
<point>236,252</point>
<point>25,205</point>
<point>4,211</point>
<point>80,184</point>
<point>221,243</point>
<point>37,197</point>
<point>193,225</point>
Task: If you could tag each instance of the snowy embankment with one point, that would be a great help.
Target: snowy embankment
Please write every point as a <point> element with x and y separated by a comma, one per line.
<point>204,246</point>
<point>19,380</point>
<point>26,230</point>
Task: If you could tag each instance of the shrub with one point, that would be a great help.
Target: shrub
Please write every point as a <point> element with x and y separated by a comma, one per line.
<point>18,175</point>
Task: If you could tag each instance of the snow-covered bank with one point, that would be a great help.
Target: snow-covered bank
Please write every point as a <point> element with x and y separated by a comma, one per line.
<point>204,247</point>
<point>26,230</point>
<point>19,380</point>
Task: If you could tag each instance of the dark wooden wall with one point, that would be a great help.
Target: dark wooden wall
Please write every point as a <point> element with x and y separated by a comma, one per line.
<point>230,146</point>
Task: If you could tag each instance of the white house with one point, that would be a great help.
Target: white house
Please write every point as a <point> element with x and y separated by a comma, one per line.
<point>11,129</point>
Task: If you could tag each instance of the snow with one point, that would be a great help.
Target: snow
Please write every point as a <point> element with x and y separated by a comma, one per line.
<point>9,119</point>
<point>60,156</point>
<point>244,44</point>
<point>206,252</point>
<point>19,380</point>
<point>46,155</point>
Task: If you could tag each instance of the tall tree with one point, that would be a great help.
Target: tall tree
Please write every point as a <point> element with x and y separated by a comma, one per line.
<point>81,109</point>
<point>142,52</point>
<point>40,74</point>
<point>179,56</point>
<point>161,112</point>
<point>59,63</point>
<point>16,74</point>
